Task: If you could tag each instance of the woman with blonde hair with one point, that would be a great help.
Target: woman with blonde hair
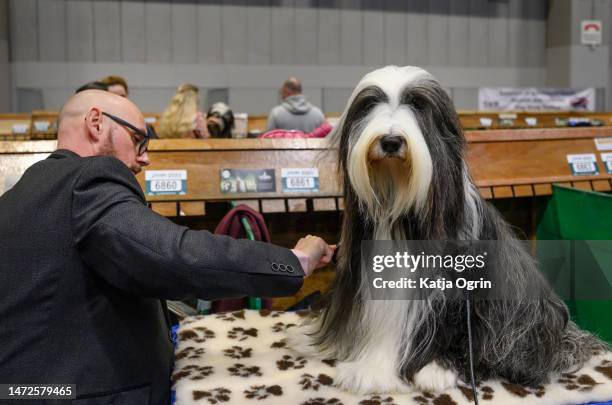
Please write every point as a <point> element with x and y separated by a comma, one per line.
<point>182,119</point>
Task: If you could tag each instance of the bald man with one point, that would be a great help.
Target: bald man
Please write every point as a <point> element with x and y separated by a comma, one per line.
<point>295,112</point>
<point>85,265</point>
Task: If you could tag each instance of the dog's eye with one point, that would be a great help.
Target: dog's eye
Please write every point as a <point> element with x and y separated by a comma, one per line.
<point>415,102</point>
<point>369,102</point>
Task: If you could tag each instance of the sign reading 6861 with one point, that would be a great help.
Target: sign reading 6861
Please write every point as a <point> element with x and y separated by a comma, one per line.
<point>300,180</point>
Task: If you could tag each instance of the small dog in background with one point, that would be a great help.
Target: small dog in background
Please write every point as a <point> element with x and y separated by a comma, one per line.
<point>401,157</point>
<point>220,120</point>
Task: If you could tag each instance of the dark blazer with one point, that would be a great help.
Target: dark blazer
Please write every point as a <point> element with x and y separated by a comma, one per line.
<point>83,266</point>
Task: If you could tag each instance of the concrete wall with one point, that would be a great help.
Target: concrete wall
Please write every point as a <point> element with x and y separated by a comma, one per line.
<point>242,50</point>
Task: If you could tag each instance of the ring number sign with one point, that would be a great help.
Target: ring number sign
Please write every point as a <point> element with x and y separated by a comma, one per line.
<point>166,182</point>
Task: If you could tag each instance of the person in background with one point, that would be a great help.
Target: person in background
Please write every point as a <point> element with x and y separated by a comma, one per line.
<point>295,112</point>
<point>92,86</point>
<point>182,118</point>
<point>116,85</point>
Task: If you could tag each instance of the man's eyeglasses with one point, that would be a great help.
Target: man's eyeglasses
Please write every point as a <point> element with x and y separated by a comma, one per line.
<point>142,144</point>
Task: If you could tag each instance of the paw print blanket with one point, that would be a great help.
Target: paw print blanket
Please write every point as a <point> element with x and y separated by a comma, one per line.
<point>242,358</point>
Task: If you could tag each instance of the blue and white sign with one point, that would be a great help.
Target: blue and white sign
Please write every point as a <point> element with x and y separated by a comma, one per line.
<point>166,182</point>
<point>607,159</point>
<point>584,164</point>
<point>300,180</point>
<point>20,128</point>
<point>535,99</point>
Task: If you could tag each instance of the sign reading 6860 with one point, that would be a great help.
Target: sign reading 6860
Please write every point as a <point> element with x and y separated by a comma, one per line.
<point>166,182</point>
<point>165,185</point>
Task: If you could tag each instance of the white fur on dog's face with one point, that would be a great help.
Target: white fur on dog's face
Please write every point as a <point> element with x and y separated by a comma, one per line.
<point>389,182</point>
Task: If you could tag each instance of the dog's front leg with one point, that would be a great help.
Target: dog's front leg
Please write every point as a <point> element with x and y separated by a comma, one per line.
<point>374,371</point>
<point>370,374</point>
<point>435,378</point>
<point>373,365</point>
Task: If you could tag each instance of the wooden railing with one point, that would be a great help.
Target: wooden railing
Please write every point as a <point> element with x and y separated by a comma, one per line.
<point>504,164</point>
<point>42,124</point>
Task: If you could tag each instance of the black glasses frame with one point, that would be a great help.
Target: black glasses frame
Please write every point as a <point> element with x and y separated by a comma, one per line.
<point>146,136</point>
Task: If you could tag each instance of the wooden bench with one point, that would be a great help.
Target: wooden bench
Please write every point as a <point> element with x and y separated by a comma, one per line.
<point>504,164</point>
<point>14,127</point>
<point>471,120</point>
<point>483,120</point>
<point>522,163</point>
<point>42,124</point>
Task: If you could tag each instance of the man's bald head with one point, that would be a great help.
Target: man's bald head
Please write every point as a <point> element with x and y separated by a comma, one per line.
<point>291,87</point>
<point>84,129</point>
<point>79,104</point>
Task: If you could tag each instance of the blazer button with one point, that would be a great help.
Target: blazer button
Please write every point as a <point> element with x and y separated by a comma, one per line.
<point>283,268</point>
<point>275,267</point>
<point>290,268</point>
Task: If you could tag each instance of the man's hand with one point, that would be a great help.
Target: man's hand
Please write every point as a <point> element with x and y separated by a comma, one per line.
<point>315,252</point>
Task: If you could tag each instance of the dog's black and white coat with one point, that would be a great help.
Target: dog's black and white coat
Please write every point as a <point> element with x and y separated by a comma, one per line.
<point>220,120</point>
<point>401,158</point>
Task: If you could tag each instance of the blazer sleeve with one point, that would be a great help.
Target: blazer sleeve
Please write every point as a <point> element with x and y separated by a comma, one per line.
<point>134,249</point>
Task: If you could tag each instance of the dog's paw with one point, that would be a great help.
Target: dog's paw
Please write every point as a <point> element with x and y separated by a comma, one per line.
<point>434,378</point>
<point>361,378</point>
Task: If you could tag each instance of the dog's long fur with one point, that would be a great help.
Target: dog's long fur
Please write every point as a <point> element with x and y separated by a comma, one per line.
<point>424,192</point>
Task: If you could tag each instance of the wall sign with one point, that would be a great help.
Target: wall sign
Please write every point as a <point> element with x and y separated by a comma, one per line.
<point>590,32</point>
<point>166,182</point>
<point>584,164</point>
<point>296,180</point>
<point>535,99</point>
<point>248,181</point>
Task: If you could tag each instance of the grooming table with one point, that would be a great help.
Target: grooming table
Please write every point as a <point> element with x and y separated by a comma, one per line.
<point>241,358</point>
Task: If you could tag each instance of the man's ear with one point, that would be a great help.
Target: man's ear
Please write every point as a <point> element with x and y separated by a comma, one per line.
<point>93,123</point>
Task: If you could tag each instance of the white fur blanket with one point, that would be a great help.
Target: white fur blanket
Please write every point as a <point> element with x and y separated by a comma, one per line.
<point>242,358</point>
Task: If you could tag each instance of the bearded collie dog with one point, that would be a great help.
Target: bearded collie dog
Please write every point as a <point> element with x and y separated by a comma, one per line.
<point>401,159</point>
<point>220,120</point>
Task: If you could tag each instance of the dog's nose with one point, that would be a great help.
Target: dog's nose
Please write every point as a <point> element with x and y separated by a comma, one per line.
<point>391,143</point>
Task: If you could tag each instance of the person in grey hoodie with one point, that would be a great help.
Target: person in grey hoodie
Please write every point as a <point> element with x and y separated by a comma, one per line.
<point>294,112</point>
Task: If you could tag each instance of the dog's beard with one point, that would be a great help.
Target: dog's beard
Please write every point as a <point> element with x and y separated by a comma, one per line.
<point>389,185</point>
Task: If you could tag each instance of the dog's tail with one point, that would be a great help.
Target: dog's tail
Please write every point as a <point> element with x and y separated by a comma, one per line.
<point>577,347</point>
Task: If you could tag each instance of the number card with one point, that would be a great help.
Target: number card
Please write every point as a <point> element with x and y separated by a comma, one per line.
<point>607,159</point>
<point>583,164</point>
<point>166,182</point>
<point>42,126</point>
<point>296,180</point>
<point>20,128</point>
<point>603,143</point>
<point>486,122</point>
